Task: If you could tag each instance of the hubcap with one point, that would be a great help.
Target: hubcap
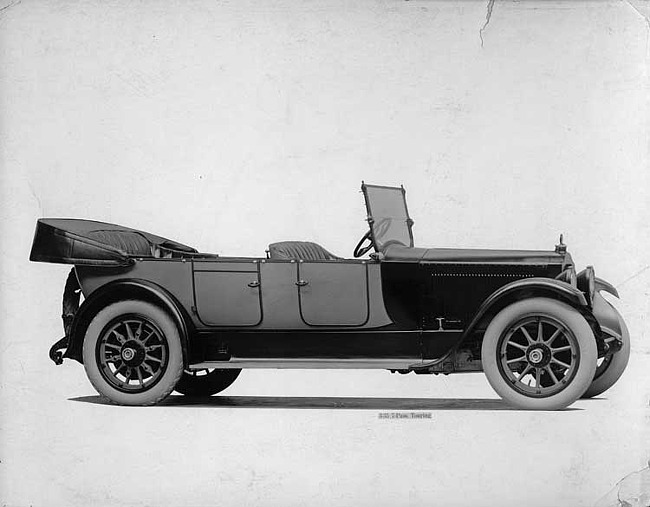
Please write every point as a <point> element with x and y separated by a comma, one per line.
<point>534,357</point>
<point>127,354</point>
<point>538,356</point>
<point>132,353</point>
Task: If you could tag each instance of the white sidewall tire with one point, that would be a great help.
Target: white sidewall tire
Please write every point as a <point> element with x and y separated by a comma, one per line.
<point>165,385</point>
<point>572,319</point>
<point>616,367</point>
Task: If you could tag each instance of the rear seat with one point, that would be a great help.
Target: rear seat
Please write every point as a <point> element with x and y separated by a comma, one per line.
<point>129,242</point>
<point>300,250</point>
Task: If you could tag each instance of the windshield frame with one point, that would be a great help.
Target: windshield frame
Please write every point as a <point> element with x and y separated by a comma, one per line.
<point>373,219</point>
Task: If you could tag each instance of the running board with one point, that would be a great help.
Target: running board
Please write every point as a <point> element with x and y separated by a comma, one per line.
<point>308,364</point>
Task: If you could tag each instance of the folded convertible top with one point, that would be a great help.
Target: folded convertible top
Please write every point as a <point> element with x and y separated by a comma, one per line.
<point>74,241</point>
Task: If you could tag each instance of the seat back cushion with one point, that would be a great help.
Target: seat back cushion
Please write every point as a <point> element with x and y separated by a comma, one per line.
<point>130,242</point>
<point>305,250</point>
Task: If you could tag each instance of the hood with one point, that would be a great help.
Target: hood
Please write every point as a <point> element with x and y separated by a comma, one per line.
<point>464,255</point>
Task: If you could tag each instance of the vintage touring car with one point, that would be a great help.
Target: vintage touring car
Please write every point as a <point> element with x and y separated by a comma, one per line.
<point>159,316</point>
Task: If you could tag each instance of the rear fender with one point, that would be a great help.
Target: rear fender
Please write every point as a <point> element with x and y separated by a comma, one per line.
<point>120,290</point>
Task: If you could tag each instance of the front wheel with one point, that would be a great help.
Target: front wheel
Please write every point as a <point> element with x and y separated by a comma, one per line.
<point>610,368</point>
<point>539,354</point>
<point>132,353</point>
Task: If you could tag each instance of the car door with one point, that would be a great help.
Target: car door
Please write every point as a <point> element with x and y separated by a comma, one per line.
<point>333,293</point>
<point>227,293</point>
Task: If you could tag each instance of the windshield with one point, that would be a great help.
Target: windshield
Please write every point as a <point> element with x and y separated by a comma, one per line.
<point>388,216</point>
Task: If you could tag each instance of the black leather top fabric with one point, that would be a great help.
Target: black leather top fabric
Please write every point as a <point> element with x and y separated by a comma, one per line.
<point>303,250</point>
<point>88,242</point>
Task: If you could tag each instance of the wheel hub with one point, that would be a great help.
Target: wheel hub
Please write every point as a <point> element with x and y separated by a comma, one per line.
<point>132,353</point>
<point>538,355</point>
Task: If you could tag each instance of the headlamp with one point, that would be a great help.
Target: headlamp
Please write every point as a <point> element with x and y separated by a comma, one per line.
<point>587,283</point>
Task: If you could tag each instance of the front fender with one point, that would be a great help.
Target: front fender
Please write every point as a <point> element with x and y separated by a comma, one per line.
<point>117,291</point>
<point>607,316</point>
<point>605,286</point>
<point>513,292</point>
<point>522,289</point>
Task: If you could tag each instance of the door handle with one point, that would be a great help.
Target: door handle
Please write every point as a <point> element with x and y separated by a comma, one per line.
<point>254,284</point>
<point>302,283</point>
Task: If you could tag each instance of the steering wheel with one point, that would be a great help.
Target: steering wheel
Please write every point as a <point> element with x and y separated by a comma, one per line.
<point>360,250</point>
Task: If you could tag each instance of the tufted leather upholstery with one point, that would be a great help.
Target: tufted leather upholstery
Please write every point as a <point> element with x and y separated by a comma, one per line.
<point>305,250</point>
<point>129,242</point>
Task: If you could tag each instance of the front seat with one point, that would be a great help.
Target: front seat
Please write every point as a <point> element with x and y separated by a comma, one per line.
<point>300,250</point>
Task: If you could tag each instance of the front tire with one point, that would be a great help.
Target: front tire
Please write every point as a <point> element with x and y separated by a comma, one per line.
<point>611,367</point>
<point>539,354</point>
<point>132,353</point>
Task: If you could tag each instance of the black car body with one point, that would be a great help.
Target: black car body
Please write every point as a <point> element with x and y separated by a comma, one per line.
<point>406,309</point>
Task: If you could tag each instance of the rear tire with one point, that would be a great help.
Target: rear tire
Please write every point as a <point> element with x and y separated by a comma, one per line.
<point>539,354</point>
<point>206,382</point>
<point>132,353</point>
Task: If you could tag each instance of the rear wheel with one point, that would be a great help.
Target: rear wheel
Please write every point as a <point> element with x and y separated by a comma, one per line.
<point>539,354</point>
<point>132,353</point>
<point>206,382</point>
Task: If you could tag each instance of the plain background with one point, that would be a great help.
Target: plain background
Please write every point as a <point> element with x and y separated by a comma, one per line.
<point>230,125</point>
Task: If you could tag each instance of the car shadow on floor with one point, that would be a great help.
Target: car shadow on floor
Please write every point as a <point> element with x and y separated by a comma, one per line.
<point>344,403</point>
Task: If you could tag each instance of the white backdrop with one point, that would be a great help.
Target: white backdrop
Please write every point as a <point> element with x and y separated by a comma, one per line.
<point>230,125</point>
